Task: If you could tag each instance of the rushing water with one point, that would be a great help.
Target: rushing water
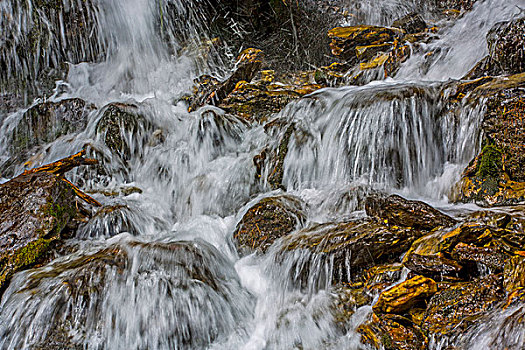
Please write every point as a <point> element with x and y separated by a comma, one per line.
<point>160,270</point>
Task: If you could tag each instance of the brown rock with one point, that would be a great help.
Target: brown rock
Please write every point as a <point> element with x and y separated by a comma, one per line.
<point>411,23</point>
<point>391,332</point>
<point>514,274</point>
<point>457,306</point>
<point>34,210</point>
<point>346,39</point>
<point>506,44</point>
<point>490,257</point>
<point>404,296</point>
<point>348,248</point>
<point>269,219</point>
<point>396,210</point>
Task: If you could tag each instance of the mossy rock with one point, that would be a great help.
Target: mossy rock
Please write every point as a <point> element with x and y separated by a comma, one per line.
<point>266,221</point>
<point>457,306</point>
<point>34,211</point>
<point>392,332</point>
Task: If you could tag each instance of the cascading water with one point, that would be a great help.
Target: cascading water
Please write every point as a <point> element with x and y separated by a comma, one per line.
<point>160,271</point>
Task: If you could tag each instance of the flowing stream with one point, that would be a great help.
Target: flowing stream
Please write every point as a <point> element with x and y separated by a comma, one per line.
<point>161,271</point>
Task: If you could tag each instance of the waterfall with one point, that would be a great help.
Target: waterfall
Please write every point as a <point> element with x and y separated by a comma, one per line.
<point>156,267</point>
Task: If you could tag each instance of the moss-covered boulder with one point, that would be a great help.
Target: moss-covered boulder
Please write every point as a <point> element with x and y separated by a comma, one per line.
<point>392,332</point>
<point>34,211</point>
<point>266,221</point>
<point>455,307</point>
<point>404,296</point>
<point>348,248</point>
<point>496,176</point>
<point>398,211</point>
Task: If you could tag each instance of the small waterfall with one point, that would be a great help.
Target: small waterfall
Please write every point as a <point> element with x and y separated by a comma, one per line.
<point>155,268</point>
<point>388,134</point>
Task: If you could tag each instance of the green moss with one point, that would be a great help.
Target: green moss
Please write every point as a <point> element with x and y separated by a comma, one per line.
<point>490,164</point>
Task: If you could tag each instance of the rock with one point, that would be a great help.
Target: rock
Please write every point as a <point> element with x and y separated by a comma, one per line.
<point>266,221</point>
<point>432,255</point>
<point>485,68</point>
<point>270,162</point>
<point>208,90</point>
<point>506,42</point>
<point>398,211</point>
<point>45,122</point>
<point>192,280</point>
<point>404,296</point>
<point>490,257</point>
<point>349,248</point>
<point>121,123</point>
<point>456,307</point>
<point>456,4</point>
<point>391,332</point>
<point>34,211</point>
<point>346,39</point>
<point>378,278</point>
<point>411,23</point>
<point>514,274</point>
<point>347,299</point>
<point>497,176</point>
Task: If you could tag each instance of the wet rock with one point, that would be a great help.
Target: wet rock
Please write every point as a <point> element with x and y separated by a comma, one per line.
<point>347,299</point>
<point>485,68</point>
<point>496,176</point>
<point>490,257</point>
<point>192,280</point>
<point>34,211</point>
<point>346,39</point>
<point>405,296</point>
<point>209,90</point>
<point>349,248</point>
<point>514,274</point>
<point>391,332</point>
<point>108,221</point>
<point>432,255</point>
<point>378,278</point>
<point>396,210</point>
<point>266,221</point>
<point>456,307</point>
<point>506,42</point>
<point>456,4</point>
<point>45,122</point>
<point>411,23</point>
<point>120,123</point>
<point>270,162</point>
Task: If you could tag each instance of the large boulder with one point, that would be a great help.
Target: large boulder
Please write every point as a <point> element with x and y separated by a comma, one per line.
<point>266,221</point>
<point>192,281</point>
<point>34,211</point>
<point>346,249</point>
<point>396,210</point>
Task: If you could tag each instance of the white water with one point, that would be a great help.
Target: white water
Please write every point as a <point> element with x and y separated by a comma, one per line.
<point>198,182</point>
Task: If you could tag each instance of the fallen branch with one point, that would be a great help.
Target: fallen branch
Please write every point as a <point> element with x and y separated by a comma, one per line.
<point>60,167</point>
